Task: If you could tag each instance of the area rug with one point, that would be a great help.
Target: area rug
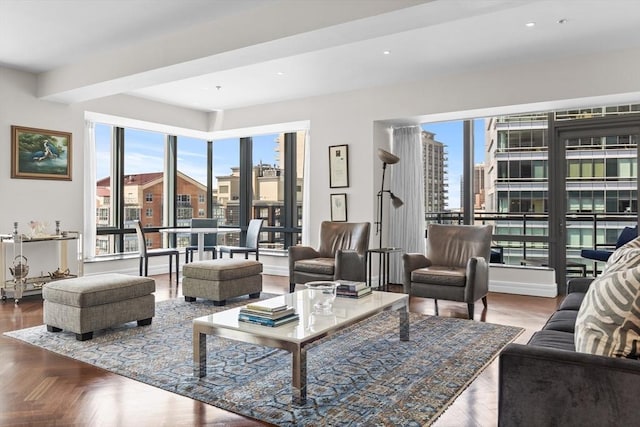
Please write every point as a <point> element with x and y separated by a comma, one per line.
<point>363,375</point>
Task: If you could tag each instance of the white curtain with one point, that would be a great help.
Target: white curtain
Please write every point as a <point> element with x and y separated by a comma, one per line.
<point>406,223</point>
<point>89,240</point>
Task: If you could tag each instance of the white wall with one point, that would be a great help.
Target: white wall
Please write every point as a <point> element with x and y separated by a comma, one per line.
<point>359,119</point>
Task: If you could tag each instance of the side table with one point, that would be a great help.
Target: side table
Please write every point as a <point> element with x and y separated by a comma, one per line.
<point>383,266</point>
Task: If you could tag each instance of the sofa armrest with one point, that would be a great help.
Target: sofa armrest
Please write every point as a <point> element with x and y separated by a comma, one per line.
<point>350,265</point>
<point>541,386</point>
<point>579,284</point>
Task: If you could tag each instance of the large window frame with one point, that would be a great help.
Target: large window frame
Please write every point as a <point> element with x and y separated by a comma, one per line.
<point>288,227</point>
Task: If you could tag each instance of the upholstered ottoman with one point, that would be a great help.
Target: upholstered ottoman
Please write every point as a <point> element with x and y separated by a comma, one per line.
<point>220,279</point>
<point>85,304</point>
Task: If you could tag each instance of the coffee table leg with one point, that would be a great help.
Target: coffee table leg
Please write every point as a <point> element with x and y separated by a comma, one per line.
<point>199,354</point>
<point>299,376</point>
<point>404,324</point>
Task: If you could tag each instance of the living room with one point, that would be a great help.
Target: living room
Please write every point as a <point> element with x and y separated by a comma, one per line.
<point>580,72</point>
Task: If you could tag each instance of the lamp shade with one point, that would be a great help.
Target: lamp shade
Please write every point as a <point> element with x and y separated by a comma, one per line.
<point>395,200</point>
<point>387,157</point>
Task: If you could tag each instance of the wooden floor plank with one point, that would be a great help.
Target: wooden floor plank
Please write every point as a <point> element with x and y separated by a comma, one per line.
<point>41,388</point>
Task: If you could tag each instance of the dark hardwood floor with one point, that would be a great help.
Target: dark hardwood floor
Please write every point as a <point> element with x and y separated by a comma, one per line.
<point>40,388</point>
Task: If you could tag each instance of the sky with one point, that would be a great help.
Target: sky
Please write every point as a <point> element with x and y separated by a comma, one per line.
<point>145,152</point>
<point>450,134</point>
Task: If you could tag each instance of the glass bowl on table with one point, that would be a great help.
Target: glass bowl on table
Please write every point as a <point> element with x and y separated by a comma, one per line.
<point>322,294</point>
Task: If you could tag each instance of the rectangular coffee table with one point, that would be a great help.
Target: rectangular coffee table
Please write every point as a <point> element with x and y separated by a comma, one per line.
<point>295,336</point>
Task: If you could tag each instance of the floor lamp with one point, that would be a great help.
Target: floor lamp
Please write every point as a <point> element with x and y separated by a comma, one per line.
<point>387,159</point>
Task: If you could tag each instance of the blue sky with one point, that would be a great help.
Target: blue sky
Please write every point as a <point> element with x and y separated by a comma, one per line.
<point>450,134</point>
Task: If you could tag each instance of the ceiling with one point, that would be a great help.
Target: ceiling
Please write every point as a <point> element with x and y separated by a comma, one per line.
<point>213,55</point>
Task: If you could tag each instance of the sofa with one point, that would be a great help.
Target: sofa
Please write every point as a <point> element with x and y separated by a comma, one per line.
<point>548,383</point>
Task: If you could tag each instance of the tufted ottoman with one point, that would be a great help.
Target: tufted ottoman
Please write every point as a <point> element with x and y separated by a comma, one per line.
<point>85,304</point>
<point>220,279</point>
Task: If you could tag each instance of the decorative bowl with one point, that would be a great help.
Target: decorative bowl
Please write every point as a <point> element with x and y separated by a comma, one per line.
<point>322,295</point>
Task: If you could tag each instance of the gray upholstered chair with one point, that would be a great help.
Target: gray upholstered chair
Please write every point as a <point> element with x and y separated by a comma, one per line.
<point>341,255</point>
<point>456,266</point>
<point>252,242</point>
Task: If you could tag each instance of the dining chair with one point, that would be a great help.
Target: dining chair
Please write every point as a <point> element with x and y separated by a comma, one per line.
<point>210,239</point>
<point>253,236</point>
<point>146,253</point>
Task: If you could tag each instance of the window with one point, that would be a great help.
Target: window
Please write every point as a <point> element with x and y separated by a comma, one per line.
<point>137,182</point>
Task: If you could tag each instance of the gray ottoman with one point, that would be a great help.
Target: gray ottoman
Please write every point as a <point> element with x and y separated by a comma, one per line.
<point>220,279</point>
<point>85,304</point>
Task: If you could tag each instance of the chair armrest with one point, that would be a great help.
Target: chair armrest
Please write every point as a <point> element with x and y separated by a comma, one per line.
<point>579,284</point>
<point>477,284</point>
<point>410,262</point>
<point>350,265</point>
<point>299,252</point>
<point>541,386</point>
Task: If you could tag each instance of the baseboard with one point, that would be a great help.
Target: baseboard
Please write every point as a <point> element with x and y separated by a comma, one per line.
<point>549,290</point>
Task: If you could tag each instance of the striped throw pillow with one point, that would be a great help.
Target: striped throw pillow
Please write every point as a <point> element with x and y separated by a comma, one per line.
<point>608,322</point>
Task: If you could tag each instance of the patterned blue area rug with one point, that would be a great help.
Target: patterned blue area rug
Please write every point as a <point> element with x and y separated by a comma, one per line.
<point>362,376</point>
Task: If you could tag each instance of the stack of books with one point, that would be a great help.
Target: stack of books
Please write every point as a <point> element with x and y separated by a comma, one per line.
<point>350,289</point>
<point>267,314</point>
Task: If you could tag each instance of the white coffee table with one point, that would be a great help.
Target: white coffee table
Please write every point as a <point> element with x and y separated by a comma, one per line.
<point>295,336</point>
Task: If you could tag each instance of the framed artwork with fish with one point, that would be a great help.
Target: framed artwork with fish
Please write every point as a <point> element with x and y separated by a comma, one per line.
<point>40,153</point>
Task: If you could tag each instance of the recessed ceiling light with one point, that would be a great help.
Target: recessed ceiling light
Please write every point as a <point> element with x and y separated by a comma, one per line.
<point>386,52</point>
<point>562,21</point>
<point>530,24</point>
<point>280,73</point>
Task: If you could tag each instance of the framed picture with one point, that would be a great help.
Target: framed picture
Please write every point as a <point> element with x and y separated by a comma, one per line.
<point>40,154</point>
<point>338,166</point>
<point>339,207</point>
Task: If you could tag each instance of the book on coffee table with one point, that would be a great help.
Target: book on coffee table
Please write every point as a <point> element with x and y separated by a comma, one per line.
<point>259,320</point>
<point>268,306</point>
<point>266,314</point>
<point>354,294</point>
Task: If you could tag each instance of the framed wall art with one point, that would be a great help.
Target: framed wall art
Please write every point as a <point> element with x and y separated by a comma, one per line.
<point>339,207</point>
<point>40,154</point>
<point>338,166</point>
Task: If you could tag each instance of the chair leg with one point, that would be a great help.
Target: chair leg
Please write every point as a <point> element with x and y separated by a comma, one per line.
<point>177,269</point>
<point>470,309</point>
<point>436,303</point>
<point>170,267</point>
<point>140,266</point>
<point>292,287</point>
<point>484,301</point>
<point>146,267</point>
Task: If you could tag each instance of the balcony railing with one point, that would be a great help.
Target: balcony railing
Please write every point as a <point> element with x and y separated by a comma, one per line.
<point>525,235</point>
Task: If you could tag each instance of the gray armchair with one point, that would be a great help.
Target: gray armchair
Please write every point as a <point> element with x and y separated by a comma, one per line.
<point>341,255</point>
<point>456,267</point>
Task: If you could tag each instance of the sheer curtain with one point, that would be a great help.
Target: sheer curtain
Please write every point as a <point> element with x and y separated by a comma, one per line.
<point>89,190</point>
<point>406,224</point>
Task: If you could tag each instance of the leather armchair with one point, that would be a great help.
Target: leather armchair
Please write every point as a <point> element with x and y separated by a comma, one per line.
<point>341,255</point>
<point>456,267</point>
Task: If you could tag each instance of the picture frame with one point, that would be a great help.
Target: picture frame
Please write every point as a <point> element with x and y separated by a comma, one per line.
<point>40,153</point>
<point>338,166</point>
<point>339,207</point>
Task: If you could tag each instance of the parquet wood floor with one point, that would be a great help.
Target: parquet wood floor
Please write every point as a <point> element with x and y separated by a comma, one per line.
<point>40,388</point>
